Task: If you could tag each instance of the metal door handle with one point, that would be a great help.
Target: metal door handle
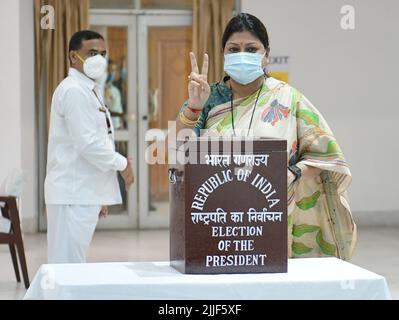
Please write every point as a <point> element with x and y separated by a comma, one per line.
<point>175,175</point>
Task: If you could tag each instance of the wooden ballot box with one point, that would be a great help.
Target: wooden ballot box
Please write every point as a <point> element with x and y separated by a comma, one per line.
<point>228,205</point>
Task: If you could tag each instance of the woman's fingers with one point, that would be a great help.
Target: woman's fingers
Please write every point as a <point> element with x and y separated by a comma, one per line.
<point>205,64</point>
<point>204,84</point>
<point>195,83</point>
<point>197,77</point>
<point>194,78</point>
<point>198,87</point>
<point>200,82</point>
<point>194,65</point>
<point>194,89</point>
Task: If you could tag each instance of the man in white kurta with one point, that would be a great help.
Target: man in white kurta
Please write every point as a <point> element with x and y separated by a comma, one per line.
<point>82,163</point>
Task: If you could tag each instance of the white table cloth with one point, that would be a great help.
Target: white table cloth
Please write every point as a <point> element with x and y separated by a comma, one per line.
<point>311,278</point>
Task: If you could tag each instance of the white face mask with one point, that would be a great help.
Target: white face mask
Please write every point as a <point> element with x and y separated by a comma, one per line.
<point>244,67</point>
<point>94,67</point>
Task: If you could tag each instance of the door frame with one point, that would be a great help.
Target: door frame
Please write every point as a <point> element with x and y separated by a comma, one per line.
<point>147,219</point>
<point>127,219</point>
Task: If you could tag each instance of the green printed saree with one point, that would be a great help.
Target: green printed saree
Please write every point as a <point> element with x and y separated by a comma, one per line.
<point>319,218</point>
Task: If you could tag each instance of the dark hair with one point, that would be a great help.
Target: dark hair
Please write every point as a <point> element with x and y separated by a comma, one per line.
<point>246,22</point>
<point>76,40</point>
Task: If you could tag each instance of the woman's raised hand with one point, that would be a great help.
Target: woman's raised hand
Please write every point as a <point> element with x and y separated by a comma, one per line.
<point>198,87</point>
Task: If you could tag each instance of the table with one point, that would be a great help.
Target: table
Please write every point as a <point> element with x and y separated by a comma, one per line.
<point>310,278</point>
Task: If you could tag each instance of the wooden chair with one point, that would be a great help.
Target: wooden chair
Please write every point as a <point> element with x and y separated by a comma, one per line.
<point>14,238</point>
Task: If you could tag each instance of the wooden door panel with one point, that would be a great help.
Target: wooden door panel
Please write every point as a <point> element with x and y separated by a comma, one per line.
<point>169,66</point>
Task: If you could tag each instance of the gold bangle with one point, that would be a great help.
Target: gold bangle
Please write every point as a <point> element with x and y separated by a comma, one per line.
<point>186,121</point>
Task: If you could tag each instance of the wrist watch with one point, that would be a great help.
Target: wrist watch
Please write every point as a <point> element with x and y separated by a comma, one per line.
<point>297,172</point>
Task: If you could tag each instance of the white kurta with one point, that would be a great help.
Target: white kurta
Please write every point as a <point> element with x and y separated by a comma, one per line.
<point>82,167</point>
<point>81,159</point>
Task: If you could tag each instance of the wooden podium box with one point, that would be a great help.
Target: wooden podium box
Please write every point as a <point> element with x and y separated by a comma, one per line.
<point>228,205</point>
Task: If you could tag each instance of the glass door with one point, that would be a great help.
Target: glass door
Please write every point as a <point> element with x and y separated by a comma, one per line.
<point>164,43</point>
<point>120,95</point>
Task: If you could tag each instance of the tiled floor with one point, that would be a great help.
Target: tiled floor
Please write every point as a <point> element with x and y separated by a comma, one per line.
<point>378,251</point>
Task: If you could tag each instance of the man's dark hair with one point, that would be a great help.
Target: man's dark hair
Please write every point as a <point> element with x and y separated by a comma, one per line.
<point>76,40</point>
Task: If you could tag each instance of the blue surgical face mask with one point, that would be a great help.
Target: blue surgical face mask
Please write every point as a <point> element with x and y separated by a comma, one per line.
<point>111,77</point>
<point>244,67</point>
<point>123,73</point>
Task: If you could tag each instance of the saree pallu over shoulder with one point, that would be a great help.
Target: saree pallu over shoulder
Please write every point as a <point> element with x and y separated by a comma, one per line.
<point>322,223</point>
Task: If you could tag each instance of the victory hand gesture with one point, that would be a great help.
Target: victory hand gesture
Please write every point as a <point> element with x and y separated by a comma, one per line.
<point>198,87</point>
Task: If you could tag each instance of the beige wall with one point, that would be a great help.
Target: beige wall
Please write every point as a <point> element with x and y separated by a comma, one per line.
<point>10,103</point>
<point>17,109</point>
<point>351,77</point>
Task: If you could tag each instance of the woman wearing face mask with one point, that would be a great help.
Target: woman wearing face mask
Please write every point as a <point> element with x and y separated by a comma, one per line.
<point>249,103</point>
